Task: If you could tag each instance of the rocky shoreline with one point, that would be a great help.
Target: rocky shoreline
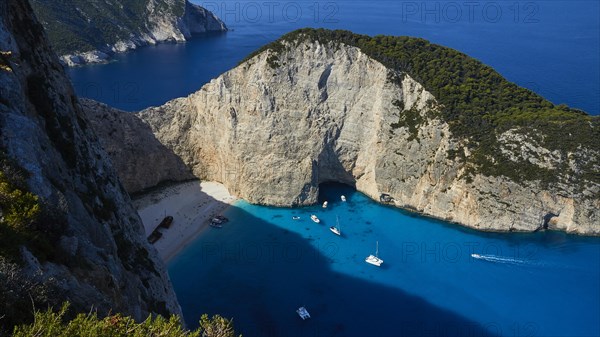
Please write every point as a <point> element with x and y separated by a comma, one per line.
<point>160,28</point>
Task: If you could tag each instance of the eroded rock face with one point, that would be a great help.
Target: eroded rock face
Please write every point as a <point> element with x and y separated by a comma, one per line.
<point>276,126</point>
<point>139,159</point>
<point>102,259</point>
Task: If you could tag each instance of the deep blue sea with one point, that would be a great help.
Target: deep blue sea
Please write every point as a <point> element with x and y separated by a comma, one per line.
<point>263,265</point>
<point>551,47</point>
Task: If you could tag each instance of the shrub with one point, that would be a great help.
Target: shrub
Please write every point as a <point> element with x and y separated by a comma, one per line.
<point>20,209</point>
<point>24,219</point>
<point>53,324</point>
<point>18,293</point>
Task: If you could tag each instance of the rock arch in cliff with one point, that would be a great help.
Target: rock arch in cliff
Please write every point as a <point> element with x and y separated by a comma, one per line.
<point>319,114</point>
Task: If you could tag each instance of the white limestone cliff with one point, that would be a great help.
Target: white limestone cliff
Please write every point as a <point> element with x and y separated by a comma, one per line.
<point>278,125</point>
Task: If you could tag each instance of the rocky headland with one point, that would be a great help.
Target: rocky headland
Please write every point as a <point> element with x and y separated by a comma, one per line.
<point>319,106</point>
<point>83,31</point>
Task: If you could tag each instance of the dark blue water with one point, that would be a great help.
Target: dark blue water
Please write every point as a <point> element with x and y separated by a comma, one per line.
<point>263,265</point>
<point>551,47</point>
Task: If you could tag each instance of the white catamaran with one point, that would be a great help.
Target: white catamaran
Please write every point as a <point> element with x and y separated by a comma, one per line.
<point>337,229</point>
<point>374,259</point>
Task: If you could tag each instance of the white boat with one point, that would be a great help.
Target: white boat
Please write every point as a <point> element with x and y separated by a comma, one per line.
<point>337,230</point>
<point>325,204</point>
<point>295,218</point>
<point>303,313</point>
<point>343,197</point>
<point>215,225</point>
<point>477,256</point>
<point>374,259</point>
<point>314,218</point>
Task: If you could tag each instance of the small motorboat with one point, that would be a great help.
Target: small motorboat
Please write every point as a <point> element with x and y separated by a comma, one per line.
<point>295,218</point>
<point>222,218</point>
<point>386,198</point>
<point>325,204</point>
<point>215,224</point>
<point>315,219</point>
<point>477,256</point>
<point>217,220</point>
<point>374,259</point>
<point>303,313</point>
<point>343,197</point>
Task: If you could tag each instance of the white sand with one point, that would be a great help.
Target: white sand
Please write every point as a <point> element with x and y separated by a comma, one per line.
<point>191,205</point>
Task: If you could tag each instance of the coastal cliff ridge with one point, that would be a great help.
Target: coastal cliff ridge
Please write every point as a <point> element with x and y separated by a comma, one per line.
<point>439,132</point>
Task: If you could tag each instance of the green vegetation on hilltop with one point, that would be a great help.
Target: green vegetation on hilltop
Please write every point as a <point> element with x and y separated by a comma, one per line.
<point>83,25</point>
<point>477,103</point>
<point>55,324</point>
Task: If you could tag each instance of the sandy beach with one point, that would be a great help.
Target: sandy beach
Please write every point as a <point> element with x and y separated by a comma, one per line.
<point>191,204</point>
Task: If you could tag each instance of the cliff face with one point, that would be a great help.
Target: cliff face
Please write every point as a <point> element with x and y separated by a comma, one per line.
<point>101,259</point>
<point>198,20</point>
<point>90,32</point>
<point>284,121</point>
<point>124,136</point>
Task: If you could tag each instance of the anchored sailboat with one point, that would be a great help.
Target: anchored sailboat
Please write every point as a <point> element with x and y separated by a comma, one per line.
<point>374,259</point>
<point>337,229</point>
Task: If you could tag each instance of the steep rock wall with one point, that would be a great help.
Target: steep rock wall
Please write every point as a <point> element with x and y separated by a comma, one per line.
<point>102,259</point>
<point>139,159</point>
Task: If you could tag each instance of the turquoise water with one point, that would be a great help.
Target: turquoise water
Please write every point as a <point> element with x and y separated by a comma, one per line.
<point>263,265</point>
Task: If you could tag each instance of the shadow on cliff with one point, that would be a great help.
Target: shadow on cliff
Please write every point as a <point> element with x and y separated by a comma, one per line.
<point>259,274</point>
<point>331,170</point>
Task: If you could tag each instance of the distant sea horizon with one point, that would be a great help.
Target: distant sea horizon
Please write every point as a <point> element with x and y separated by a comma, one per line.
<point>549,47</point>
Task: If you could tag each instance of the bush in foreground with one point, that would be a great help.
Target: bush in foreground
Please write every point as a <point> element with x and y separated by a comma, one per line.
<point>53,324</point>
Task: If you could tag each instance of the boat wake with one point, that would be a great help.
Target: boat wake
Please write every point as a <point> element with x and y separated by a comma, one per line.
<point>530,263</point>
<point>500,259</point>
